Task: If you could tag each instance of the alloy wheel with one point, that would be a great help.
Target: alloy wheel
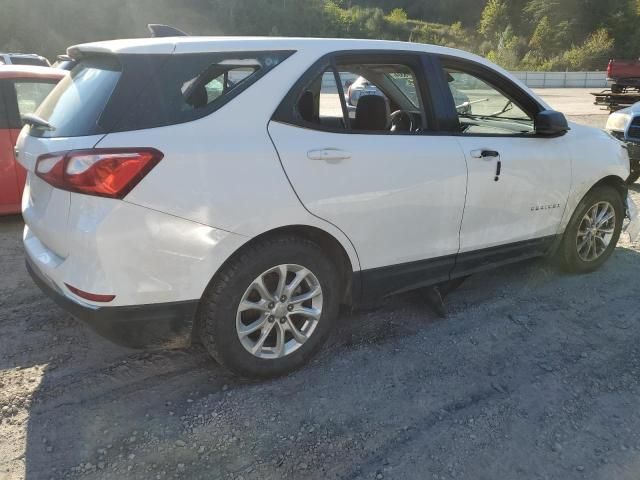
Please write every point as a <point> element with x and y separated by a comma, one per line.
<point>596,231</point>
<point>279,311</point>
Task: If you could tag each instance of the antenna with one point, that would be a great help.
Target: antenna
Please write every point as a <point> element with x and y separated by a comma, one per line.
<point>159,30</point>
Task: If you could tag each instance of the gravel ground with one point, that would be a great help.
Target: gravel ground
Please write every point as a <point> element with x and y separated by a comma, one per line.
<point>533,375</point>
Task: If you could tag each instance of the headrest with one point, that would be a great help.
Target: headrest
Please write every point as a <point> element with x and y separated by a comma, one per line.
<point>372,113</point>
<point>306,106</point>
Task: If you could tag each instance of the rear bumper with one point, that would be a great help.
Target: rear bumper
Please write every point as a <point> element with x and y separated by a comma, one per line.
<point>625,82</point>
<point>162,325</point>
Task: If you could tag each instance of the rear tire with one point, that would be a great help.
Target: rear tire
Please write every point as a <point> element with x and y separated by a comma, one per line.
<point>590,238</point>
<point>617,89</point>
<point>292,333</point>
<point>633,178</point>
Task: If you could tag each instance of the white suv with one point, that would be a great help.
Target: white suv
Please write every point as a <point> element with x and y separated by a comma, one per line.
<point>23,59</point>
<point>217,188</point>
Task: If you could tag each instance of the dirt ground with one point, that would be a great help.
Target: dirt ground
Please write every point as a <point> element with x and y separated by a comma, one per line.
<point>533,375</point>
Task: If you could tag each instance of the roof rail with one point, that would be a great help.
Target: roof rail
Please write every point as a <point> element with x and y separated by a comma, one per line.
<point>159,30</point>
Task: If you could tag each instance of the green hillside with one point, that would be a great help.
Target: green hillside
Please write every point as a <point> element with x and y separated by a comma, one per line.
<point>518,34</point>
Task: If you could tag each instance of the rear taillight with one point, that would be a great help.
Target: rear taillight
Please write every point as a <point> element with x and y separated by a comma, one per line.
<point>609,68</point>
<point>104,172</point>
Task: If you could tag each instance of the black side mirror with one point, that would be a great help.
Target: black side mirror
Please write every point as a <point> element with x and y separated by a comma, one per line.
<point>550,123</point>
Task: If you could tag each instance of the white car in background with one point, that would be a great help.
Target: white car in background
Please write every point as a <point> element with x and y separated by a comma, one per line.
<point>23,59</point>
<point>625,126</point>
<point>217,187</point>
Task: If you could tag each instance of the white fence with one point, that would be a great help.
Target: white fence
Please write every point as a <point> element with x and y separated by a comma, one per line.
<point>563,79</point>
<point>531,79</point>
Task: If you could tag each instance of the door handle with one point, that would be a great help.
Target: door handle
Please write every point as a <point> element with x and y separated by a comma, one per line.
<point>483,153</point>
<point>328,154</point>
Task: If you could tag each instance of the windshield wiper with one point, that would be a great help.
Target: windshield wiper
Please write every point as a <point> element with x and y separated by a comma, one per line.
<point>491,117</point>
<point>37,122</point>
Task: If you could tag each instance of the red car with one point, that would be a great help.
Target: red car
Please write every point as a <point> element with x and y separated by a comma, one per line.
<point>22,88</point>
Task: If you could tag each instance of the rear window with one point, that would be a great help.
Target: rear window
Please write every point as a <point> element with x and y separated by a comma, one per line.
<point>31,93</point>
<point>76,103</point>
<point>134,92</point>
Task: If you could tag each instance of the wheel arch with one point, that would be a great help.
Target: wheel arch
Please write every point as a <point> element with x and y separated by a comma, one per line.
<point>327,242</point>
<point>614,181</point>
<point>563,251</point>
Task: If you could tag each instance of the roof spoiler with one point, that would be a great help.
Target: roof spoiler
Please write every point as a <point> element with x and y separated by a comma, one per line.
<point>158,30</point>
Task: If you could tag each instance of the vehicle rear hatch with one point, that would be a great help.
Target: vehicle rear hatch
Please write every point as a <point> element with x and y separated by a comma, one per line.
<point>74,110</point>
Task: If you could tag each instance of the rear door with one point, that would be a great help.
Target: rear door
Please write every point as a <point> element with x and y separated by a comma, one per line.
<point>398,195</point>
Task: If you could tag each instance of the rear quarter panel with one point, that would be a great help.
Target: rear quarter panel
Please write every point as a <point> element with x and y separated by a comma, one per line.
<point>223,170</point>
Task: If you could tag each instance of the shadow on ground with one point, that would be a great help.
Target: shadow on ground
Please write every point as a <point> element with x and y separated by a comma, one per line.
<point>534,374</point>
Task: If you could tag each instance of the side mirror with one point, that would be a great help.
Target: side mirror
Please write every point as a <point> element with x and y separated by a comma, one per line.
<point>550,123</point>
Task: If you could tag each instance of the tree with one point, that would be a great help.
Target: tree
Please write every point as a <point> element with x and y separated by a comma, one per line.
<point>494,19</point>
<point>592,54</point>
<point>538,9</point>
<point>541,36</point>
<point>507,53</point>
<point>532,34</point>
<point>398,15</point>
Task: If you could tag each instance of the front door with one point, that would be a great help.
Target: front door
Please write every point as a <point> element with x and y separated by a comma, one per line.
<point>366,161</point>
<point>518,181</point>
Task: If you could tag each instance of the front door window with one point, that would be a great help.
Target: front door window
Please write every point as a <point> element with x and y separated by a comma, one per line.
<point>483,109</point>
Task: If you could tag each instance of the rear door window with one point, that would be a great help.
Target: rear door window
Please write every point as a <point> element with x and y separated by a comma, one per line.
<point>393,80</point>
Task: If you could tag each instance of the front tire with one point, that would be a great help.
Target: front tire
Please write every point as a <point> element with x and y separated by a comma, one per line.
<point>271,308</point>
<point>593,231</point>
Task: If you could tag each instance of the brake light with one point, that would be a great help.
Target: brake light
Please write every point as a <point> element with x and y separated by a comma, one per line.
<point>609,68</point>
<point>104,172</point>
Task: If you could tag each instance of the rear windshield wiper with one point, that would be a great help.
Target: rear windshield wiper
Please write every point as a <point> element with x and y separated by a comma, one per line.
<point>37,122</point>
